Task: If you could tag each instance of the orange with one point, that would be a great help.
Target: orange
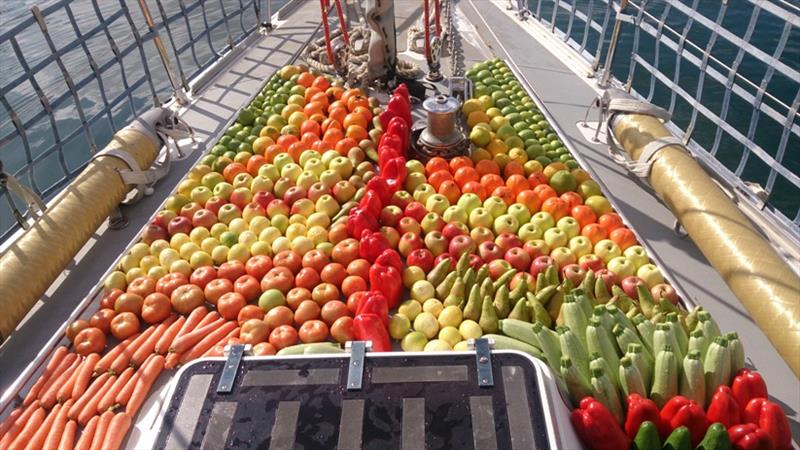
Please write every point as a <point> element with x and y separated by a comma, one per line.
<point>310,126</point>
<point>254,163</point>
<point>517,183</point>
<point>464,174</point>
<point>537,178</point>
<point>319,117</point>
<point>449,189</point>
<point>350,93</point>
<point>544,191</point>
<point>440,176</point>
<point>491,182</point>
<point>572,198</point>
<point>321,83</point>
<point>594,232</point>
<point>322,98</point>
<point>487,166</point>
<point>357,132</point>
<point>332,136</point>
<point>337,104</point>
<point>309,138</point>
<point>504,194</point>
<point>436,164</point>
<point>530,200</point>
<point>623,236</point>
<point>305,79</point>
<point>296,149</point>
<point>321,146</point>
<point>583,214</point>
<point>327,124</point>
<point>363,111</point>
<point>476,188</point>
<point>334,92</point>
<point>312,108</point>
<point>286,140</point>
<point>338,114</point>
<point>344,146</point>
<point>556,207</point>
<point>512,168</point>
<point>357,100</point>
<point>273,151</point>
<point>312,91</point>
<point>610,221</point>
<point>354,119</point>
<point>460,161</point>
<point>231,170</point>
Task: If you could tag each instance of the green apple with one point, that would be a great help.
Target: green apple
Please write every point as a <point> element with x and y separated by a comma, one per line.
<point>415,166</point>
<point>563,256</point>
<point>242,180</point>
<point>212,179</point>
<point>329,178</point>
<point>291,171</point>
<point>280,222</point>
<point>480,217</point>
<point>621,266</point>
<point>261,183</point>
<point>316,166</point>
<point>281,160</point>
<point>328,156</point>
<point>456,214</point>
<point>327,204</point>
<point>650,274</point>
<point>269,234</point>
<point>308,155</point>
<point>543,220</point>
<point>506,223</point>
<point>414,180</point>
<point>294,230</point>
<point>569,226</point>
<point>481,234</point>
<point>469,201</point>
<point>414,342</point>
<point>580,245</point>
<point>588,189</point>
<point>223,190</point>
<point>607,250</point>
<point>520,212</point>
<point>599,204</point>
<point>342,165</point>
<point>432,222</point>
<point>555,237</point>
<point>239,252</point>
<point>638,255</point>
<point>437,203</point>
<point>270,171</point>
<point>201,194</point>
<point>270,299</point>
<point>423,192</point>
<point>529,232</point>
<point>480,136</point>
<point>495,205</point>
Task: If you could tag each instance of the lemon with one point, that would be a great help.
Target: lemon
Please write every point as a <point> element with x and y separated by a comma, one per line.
<point>470,329</point>
<point>496,147</point>
<point>472,105</point>
<point>427,324</point>
<point>414,342</point>
<point>437,345</point>
<point>450,335</point>
<point>410,309</point>
<point>399,326</point>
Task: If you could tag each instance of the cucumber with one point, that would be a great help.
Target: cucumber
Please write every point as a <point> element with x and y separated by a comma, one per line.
<point>717,366</point>
<point>665,377</point>
<point>506,343</point>
<point>578,387</point>
<point>647,437</point>
<point>519,330</point>
<point>679,439</point>
<point>693,383</point>
<point>716,438</point>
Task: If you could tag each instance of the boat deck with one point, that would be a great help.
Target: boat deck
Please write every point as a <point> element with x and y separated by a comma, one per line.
<point>484,29</point>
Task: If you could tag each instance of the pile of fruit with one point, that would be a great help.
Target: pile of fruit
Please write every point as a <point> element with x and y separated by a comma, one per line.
<point>306,226</point>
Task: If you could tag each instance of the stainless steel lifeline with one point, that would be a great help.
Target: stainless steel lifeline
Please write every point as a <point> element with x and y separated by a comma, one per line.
<point>106,56</point>
<point>743,141</point>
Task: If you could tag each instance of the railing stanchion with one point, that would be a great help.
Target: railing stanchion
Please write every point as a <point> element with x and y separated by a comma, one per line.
<point>177,90</point>
<point>612,46</point>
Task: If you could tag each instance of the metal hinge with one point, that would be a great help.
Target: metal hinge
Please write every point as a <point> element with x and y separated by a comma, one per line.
<point>355,372</point>
<point>483,358</point>
<point>234,353</point>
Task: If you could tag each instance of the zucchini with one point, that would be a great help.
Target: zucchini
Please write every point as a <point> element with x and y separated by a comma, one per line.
<point>574,317</point>
<point>506,343</point>
<point>584,300</point>
<point>693,383</point>
<point>619,317</point>
<point>599,341</point>
<point>698,343</point>
<point>300,349</point>
<point>665,336</point>
<point>636,354</point>
<point>606,393</point>
<point>646,330</point>
<point>737,351</point>
<point>572,348</point>
<point>625,337</point>
<point>630,379</point>
<point>706,323</point>
<point>548,341</point>
<point>665,377</point>
<point>717,366</point>
<point>519,330</point>
<point>678,331</point>
<point>578,387</point>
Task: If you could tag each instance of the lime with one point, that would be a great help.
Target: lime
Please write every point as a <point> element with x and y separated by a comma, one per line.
<point>563,181</point>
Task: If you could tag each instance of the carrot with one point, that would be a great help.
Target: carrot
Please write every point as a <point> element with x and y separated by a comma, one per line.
<point>105,362</point>
<point>219,348</point>
<point>102,429</point>
<point>49,396</point>
<point>124,358</point>
<point>85,375</point>
<point>67,441</point>
<point>117,430</point>
<point>150,344</point>
<point>172,360</point>
<point>90,408</point>
<point>55,433</point>
<point>49,370</point>
<point>192,321</point>
<point>87,396</point>
<point>37,441</point>
<point>149,374</point>
<point>32,425</point>
<point>186,341</point>
<point>208,341</point>
<point>18,425</point>
<point>127,390</point>
<point>110,397</point>
<point>87,435</point>
<point>9,422</point>
<point>65,391</point>
<point>163,344</point>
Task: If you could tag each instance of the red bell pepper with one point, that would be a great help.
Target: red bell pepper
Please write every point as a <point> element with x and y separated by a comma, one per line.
<point>399,127</point>
<point>388,281</point>
<point>402,89</point>
<point>359,220</point>
<point>387,153</point>
<point>381,187</point>
<point>369,327</point>
<point>597,427</point>
<point>373,302</point>
<point>723,408</point>
<point>393,141</point>
<point>371,203</point>
<point>385,117</point>
<point>770,417</point>
<point>748,436</point>
<point>680,411</point>
<point>746,386</point>
<point>641,409</point>
<point>394,172</point>
<point>389,258</point>
<point>401,107</point>
<point>372,244</point>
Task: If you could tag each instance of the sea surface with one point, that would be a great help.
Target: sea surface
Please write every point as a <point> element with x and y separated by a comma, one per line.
<point>146,79</point>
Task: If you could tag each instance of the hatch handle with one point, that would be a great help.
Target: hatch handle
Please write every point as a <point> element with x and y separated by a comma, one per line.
<point>483,359</point>
<point>355,368</point>
<point>234,355</point>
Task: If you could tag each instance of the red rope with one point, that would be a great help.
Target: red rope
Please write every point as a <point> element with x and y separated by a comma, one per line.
<point>342,22</point>
<point>438,12</point>
<point>325,7</point>
<point>426,21</point>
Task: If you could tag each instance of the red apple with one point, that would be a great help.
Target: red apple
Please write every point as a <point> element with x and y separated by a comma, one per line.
<point>490,251</point>
<point>241,196</point>
<point>574,272</point>
<point>189,209</point>
<point>391,235</point>
<point>408,243</point>
<point>294,194</point>
<point>422,258</point>
<point>262,198</point>
<point>153,232</point>
<point>163,217</point>
<point>454,229</point>
<point>401,199</point>
<point>591,262</point>
<point>277,207</point>
<point>415,210</point>
<point>475,261</point>
<point>507,241</point>
<point>629,286</point>
<point>215,203</point>
<point>179,224</point>
<point>391,215</point>
<point>461,244</point>
<point>540,264</point>
<point>498,267</point>
<point>317,190</point>
<point>444,256</point>
<point>436,243</point>
<point>253,209</point>
<point>518,258</point>
<point>609,277</point>
<point>409,225</point>
<point>536,248</point>
<point>204,218</point>
<point>665,291</point>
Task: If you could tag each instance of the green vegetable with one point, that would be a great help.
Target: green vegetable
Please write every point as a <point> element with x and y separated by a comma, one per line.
<point>582,298</point>
<point>646,330</point>
<point>636,354</point>
<point>548,342</point>
<point>693,383</point>
<point>606,393</point>
<point>299,349</point>
<point>506,343</point>
<point>572,348</point>
<point>716,438</point>
<point>717,366</point>
<point>517,329</point>
<point>599,341</point>
<point>647,437</point>
<point>665,378</point>
<point>706,323</point>
<point>678,331</point>
<point>698,343</point>
<point>737,351</point>
<point>679,439</point>
<point>665,336</point>
<point>619,317</point>
<point>578,387</point>
<point>488,320</point>
<point>574,318</point>
<point>630,379</point>
<point>625,337</point>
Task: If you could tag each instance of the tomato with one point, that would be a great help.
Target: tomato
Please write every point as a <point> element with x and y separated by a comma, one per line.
<point>124,325</point>
<point>156,308</point>
<point>230,304</point>
<point>313,331</point>
<point>283,336</point>
<point>90,340</point>
<point>254,331</point>
<point>170,282</point>
<point>324,292</point>
<point>345,251</point>
<point>129,303</point>
<point>110,297</point>
<point>264,349</point>
<point>353,284</point>
<point>307,278</point>
<point>280,278</point>
<point>333,310</point>
<point>342,329</point>
<point>217,288</point>
<point>231,270</point>
<point>337,233</point>
<point>308,310</point>
<point>142,286</point>
<point>186,298</point>
<point>279,315</point>
<point>258,266</point>
<point>102,319</point>
<point>610,222</point>
<point>289,259</point>
<point>249,312</point>
<point>76,327</point>
<point>353,300</point>
<point>297,295</point>
<point>203,275</point>
<point>248,286</point>
<point>359,267</point>
<point>333,273</point>
<point>316,259</point>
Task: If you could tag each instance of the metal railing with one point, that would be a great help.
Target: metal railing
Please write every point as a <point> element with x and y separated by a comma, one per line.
<point>728,72</point>
<point>76,71</point>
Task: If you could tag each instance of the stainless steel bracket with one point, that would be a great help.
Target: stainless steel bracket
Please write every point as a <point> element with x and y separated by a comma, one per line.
<point>234,353</point>
<point>483,359</point>
<point>355,372</point>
